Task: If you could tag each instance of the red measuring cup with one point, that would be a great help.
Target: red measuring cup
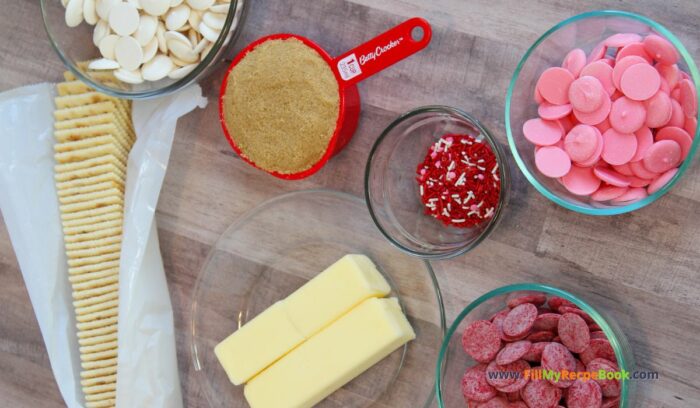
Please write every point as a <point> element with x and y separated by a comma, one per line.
<point>349,68</point>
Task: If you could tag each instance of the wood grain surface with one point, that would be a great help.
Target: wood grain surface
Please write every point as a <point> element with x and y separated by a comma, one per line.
<point>642,268</point>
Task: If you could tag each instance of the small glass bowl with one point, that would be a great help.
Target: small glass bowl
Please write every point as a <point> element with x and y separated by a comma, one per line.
<point>583,31</point>
<point>392,192</point>
<point>277,247</point>
<point>453,360</point>
<point>74,46</point>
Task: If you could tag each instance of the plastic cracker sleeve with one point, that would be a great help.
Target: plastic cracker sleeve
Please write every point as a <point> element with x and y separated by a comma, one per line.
<point>147,363</point>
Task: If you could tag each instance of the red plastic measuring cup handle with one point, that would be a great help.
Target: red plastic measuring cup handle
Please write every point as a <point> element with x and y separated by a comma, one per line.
<point>381,52</point>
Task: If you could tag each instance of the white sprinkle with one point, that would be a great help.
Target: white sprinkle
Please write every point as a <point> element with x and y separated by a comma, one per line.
<point>432,200</point>
<point>481,168</point>
<point>461,179</point>
<point>495,169</point>
<point>472,213</point>
<point>495,177</point>
<point>489,213</point>
<point>451,166</point>
<point>459,220</point>
<point>480,204</point>
<point>421,190</point>
<point>445,213</point>
<point>464,141</point>
<point>480,161</point>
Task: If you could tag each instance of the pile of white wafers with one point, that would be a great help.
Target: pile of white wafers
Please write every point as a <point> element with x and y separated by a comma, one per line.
<point>94,135</point>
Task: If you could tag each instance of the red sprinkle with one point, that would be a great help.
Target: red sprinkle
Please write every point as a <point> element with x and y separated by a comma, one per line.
<point>459,181</point>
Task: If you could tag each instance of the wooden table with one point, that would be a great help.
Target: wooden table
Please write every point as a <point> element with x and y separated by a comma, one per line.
<point>641,267</point>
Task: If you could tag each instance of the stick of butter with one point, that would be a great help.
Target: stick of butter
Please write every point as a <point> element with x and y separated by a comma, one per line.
<point>287,323</point>
<point>333,357</point>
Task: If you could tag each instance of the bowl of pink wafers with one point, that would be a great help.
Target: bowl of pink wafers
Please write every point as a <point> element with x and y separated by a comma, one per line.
<point>534,346</point>
<point>602,112</point>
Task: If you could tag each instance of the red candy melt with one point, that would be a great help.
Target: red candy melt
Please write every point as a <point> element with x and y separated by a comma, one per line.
<point>628,105</point>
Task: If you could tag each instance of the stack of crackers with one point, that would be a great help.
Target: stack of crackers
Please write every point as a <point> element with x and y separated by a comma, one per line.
<point>94,135</point>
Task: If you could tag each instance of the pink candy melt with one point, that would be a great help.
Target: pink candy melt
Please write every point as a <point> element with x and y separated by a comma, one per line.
<point>552,161</point>
<point>662,156</point>
<point>554,85</point>
<point>542,132</point>
<point>661,181</point>
<point>619,148</point>
<point>615,128</point>
<point>574,61</point>
<point>581,181</point>
<point>627,115</point>
<point>640,82</point>
<point>611,177</point>
<point>586,94</point>
<point>581,142</point>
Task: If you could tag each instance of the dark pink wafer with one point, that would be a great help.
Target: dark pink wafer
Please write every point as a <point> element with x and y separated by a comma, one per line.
<point>535,352</point>
<point>539,336</point>
<point>541,394</point>
<point>520,320</point>
<point>574,332</point>
<point>609,387</point>
<point>497,402</point>
<point>501,376</point>
<point>546,321</point>
<point>576,310</point>
<point>513,352</point>
<point>557,357</point>
<point>517,299</point>
<point>474,384</point>
<point>519,367</point>
<point>584,394</point>
<point>598,348</point>
<point>555,302</point>
<point>481,340</point>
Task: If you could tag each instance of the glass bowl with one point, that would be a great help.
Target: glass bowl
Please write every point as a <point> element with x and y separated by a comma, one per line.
<point>278,246</point>
<point>392,192</point>
<point>453,360</point>
<point>581,31</point>
<point>74,47</point>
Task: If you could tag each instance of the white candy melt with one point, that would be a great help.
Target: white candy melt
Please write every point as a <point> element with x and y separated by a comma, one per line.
<point>156,7</point>
<point>147,29</point>
<point>130,77</point>
<point>74,13</point>
<point>214,20</point>
<point>103,7</point>
<point>107,45</point>
<point>177,17</point>
<point>124,18</point>
<point>200,4</point>
<point>128,53</point>
<point>103,63</point>
<point>208,32</point>
<point>179,73</point>
<point>150,50</point>
<point>89,12</point>
<point>100,32</point>
<point>157,68</point>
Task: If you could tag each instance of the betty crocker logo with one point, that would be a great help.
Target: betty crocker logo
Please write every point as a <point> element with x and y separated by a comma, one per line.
<point>373,55</point>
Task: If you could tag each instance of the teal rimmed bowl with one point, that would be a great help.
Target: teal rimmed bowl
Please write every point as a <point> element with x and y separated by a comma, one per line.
<point>453,361</point>
<point>581,31</point>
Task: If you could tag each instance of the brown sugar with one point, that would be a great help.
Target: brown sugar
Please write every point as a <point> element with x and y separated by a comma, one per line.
<point>281,105</point>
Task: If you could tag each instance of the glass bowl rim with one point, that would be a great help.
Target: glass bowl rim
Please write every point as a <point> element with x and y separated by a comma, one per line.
<point>157,92</point>
<point>622,361</point>
<point>500,160</point>
<point>695,75</point>
<point>244,218</point>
